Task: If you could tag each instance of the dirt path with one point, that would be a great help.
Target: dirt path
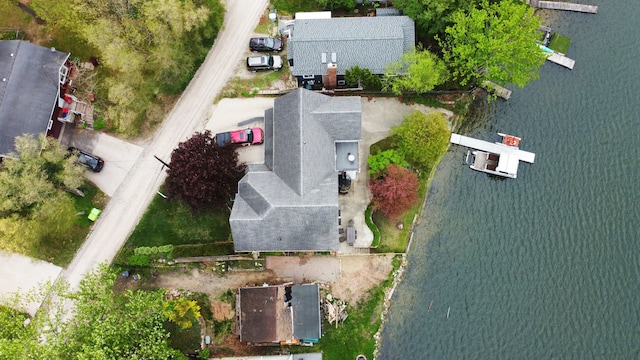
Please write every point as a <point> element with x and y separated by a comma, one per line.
<point>347,277</point>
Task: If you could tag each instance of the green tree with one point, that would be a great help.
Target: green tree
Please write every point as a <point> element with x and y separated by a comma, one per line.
<point>34,206</point>
<point>31,175</point>
<point>368,80</point>
<point>422,138</point>
<point>16,338</point>
<point>418,70</point>
<point>105,324</point>
<point>378,163</point>
<point>182,311</point>
<point>336,4</point>
<point>432,16</point>
<point>114,325</point>
<point>147,48</point>
<point>495,42</point>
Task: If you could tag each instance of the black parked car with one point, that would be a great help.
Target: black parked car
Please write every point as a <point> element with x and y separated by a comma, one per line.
<point>265,44</point>
<point>93,162</point>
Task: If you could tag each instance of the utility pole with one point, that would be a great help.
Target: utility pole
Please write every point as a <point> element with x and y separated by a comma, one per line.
<point>163,163</point>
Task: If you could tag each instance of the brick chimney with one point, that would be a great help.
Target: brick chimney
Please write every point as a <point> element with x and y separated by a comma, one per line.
<point>330,81</point>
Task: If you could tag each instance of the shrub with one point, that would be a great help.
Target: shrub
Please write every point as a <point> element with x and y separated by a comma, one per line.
<point>378,162</point>
<point>99,124</point>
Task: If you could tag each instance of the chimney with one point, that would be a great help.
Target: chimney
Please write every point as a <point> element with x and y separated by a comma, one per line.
<point>330,81</point>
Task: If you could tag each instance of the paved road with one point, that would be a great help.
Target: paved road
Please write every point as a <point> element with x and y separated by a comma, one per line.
<point>190,114</point>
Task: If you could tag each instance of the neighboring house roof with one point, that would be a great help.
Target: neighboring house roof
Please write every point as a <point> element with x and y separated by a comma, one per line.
<point>29,89</point>
<point>258,314</point>
<point>290,203</point>
<point>368,42</point>
<point>274,314</point>
<point>305,300</point>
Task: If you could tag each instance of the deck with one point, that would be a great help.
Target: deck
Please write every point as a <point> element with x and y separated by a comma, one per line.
<point>492,147</point>
<point>561,60</point>
<point>555,5</point>
<point>496,89</point>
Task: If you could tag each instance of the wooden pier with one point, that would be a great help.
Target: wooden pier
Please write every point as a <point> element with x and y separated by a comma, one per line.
<point>561,60</point>
<point>555,5</point>
<point>496,89</point>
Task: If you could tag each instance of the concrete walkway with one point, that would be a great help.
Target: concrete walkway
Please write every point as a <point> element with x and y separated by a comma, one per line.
<point>20,274</point>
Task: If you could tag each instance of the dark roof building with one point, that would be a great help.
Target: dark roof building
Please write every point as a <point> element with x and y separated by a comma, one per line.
<point>279,314</point>
<point>305,301</point>
<point>290,203</point>
<point>258,314</point>
<point>29,91</point>
<point>368,42</point>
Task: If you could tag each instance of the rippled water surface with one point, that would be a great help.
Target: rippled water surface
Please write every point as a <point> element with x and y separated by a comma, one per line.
<point>545,266</point>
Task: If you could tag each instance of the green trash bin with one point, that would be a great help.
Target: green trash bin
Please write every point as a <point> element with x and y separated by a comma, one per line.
<point>93,215</point>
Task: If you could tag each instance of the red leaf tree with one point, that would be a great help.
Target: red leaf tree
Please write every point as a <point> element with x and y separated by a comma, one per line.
<point>202,174</point>
<point>396,192</point>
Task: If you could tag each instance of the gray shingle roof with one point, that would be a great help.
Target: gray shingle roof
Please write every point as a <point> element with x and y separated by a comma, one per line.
<point>368,42</point>
<point>29,89</point>
<point>305,300</point>
<point>291,202</point>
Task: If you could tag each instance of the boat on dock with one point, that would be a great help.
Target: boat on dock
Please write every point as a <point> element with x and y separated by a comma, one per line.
<point>499,158</point>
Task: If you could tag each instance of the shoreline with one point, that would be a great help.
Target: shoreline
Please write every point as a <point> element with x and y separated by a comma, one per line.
<point>398,275</point>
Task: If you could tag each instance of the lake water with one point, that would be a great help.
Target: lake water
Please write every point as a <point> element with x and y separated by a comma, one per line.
<point>545,266</point>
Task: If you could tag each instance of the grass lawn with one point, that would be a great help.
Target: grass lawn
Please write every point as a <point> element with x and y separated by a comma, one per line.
<point>62,254</point>
<point>166,223</point>
<point>248,87</point>
<point>172,223</point>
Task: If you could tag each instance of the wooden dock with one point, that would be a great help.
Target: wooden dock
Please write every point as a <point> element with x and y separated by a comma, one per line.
<point>561,60</point>
<point>496,89</point>
<point>555,5</point>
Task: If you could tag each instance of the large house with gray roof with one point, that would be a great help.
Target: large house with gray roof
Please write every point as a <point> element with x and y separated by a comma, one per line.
<point>320,51</point>
<point>290,203</point>
<point>32,77</point>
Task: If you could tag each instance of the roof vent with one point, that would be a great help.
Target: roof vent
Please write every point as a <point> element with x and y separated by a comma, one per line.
<point>324,58</point>
<point>11,55</point>
<point>350,157</point>
<point>333,57</point>
<point>53,49</point>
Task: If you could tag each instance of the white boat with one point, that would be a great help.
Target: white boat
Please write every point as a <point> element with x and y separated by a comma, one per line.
<point>499,158</point>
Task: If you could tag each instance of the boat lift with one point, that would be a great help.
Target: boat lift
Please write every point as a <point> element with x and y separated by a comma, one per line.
<point>499,158</point>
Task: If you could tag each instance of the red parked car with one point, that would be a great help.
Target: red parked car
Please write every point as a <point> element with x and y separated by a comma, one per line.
<point>244,137</point>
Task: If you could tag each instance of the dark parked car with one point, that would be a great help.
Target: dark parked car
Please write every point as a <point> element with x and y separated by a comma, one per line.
<point>265,62</point>
<point>265,44</point>
<point>93,162</point>
<point>244,137</point>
